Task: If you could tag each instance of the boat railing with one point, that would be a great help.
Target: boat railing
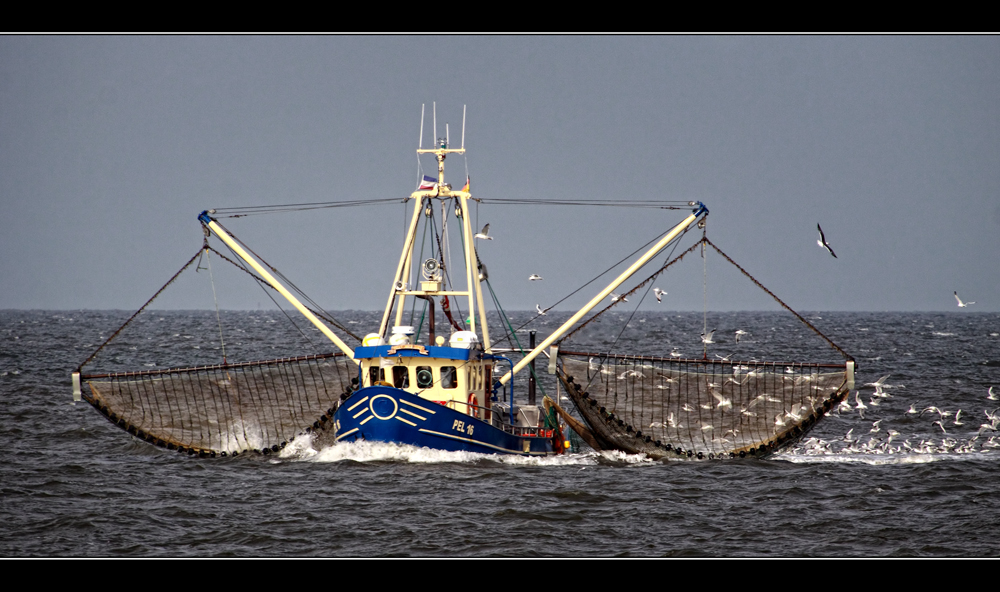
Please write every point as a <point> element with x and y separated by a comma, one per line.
<point>529,432</point>
<point>481,411</point>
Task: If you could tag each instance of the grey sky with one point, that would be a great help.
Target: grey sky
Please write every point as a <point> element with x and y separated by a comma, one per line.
<point>111,146</point>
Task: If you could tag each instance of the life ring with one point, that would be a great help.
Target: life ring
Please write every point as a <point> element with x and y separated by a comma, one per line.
<point>473,404</point>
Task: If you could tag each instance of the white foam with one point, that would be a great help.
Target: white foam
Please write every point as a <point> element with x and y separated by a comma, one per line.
<point>301,448</point>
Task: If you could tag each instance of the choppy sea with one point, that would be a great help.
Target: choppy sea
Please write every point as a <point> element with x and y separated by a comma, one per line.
<point>74,485</point>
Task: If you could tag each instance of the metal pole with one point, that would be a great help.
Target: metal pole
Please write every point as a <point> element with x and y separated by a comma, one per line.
<point>531,376</point>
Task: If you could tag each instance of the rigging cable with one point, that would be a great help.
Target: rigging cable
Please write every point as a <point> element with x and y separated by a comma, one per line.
<point>141,308</point>
<point>511,336</point>
<point>704,300</point>
<point>326,315</point>
<point>668,261</point>
<point>598,276</point>
<point>244,211</point>
<point>216,298</point>
<point>633,290</point>
<point>631,203</point>
<point>261,282</point>
<point>846,355</point>
<point>418,263</point>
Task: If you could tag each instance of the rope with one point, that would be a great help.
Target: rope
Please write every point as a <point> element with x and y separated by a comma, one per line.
<point>215,297</point>
<point>631,203</point>
<point>778,300</point>
<point>142,308</point>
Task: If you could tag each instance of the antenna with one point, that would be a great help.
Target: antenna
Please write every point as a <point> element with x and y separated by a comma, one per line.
<point>463,127</point>
<point>421,144</point>
<point>435,107</point>
<point>447,135</point>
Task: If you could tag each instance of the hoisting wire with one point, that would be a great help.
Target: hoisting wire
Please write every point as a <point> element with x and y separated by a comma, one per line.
<point>632,203</point>
<point>215,297</point>
<point>262,283</point>
<point>243,212</point>
<point>458,210</point>
<point>649,281</point>
<point>704,299</point>
<point>639,285</point>
<point>597,277</point>
<point>706,241</point>
<point>644,295</point>
<point>314,306</point>
<point>418,262</point>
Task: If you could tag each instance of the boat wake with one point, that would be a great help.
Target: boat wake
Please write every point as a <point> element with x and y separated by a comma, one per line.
<point>304,448</point>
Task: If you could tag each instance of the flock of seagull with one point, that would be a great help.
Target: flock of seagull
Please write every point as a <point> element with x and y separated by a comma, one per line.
<point>883,441</point>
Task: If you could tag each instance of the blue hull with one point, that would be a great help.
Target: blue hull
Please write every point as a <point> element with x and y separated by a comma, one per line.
<point>386,414</point>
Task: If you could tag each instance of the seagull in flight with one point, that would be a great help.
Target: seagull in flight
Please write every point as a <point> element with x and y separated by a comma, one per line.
<point>540,311</point>
<point>659,294</point>
<point>861,406</point>
<point>534,277</point>
<point>707,337</point>
<point>484,233</point>
<point>616,298</point>
<point>740,333</point>
<point>879,385</point>
<point>960,303</point>
<point>822,241</point>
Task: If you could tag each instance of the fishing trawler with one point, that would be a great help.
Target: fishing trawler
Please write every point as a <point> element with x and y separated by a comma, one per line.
<point>403,384</point>
<point>446,394</point>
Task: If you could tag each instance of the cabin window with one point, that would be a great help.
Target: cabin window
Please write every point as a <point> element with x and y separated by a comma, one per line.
<point>449,379</point>
<point>375,374</point>
<point>425,377</point>
<point>401,377</point>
